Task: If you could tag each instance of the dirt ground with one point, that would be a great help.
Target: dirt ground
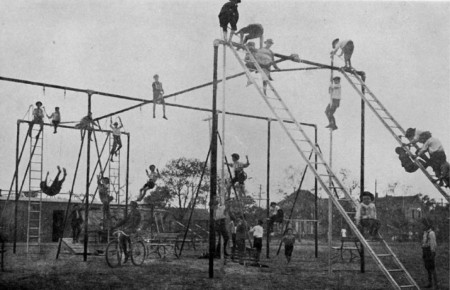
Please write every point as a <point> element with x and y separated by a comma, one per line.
<point>304,272</point>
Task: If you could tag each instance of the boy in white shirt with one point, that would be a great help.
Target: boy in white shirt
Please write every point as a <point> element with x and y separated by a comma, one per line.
<point>117,142</point>
<point>335,95</point>
<point>56,118</point>
<point>257,232</point>
<point>152,177</point>
<point>366,215</point>
<point>239,175</point>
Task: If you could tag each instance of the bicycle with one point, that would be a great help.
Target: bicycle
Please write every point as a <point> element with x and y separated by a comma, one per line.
<point>115,254</point>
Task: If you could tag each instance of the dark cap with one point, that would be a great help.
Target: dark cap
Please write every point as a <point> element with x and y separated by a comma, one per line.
<point>410,132</point>
<point>235,155</point>
<point>38,103</point>
<point>369,194</point>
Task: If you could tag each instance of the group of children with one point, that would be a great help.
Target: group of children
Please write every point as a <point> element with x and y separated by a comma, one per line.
<point>436,157</point>
<point>38,118</point>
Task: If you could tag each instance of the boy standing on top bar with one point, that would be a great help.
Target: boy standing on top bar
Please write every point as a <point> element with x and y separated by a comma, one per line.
<point>346,47</point>
<point>38,118</point>
<point>335,93</point>
<point>229,15</point>
<point>158,93</point>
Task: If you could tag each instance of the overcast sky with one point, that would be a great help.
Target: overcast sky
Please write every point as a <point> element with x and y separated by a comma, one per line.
<point>117,47</point>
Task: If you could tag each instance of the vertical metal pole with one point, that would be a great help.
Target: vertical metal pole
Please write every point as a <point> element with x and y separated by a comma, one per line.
<point>330,204</point>
<point>224,82</point>
<point>316,242</point>
<point>213,182</point>
<point>268,189</point>
<point>361,182</point>
<point>127,174</point>
<point>16,203</point>
<point>86,199</point>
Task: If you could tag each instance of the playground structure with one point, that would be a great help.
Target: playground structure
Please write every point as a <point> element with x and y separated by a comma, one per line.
<point>319,167</point>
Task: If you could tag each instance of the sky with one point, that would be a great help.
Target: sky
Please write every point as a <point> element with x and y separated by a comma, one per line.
<point>117,47</point>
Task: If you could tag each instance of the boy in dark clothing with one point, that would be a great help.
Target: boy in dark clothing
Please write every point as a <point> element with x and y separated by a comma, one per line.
<point>241,232</point>
<point>55,188</point>
<point>76,222</point>
<point>86,123</point>
<point>346,47</point>
<point>129,225</point>
<point>429,246</point>
<point>288,240</point>
<point>158,98</point>
<point>239,175</point>
<point>252,31</point>
<point>406,161</point>
<point>229,15</point>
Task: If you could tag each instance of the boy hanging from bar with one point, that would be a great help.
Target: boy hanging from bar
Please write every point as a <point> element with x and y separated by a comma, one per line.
<point>335,96</point>
<point>152,177</point>
<point>346,46</point>
<point>56,185</point>
<point>117,142</point>
<point>252,31</point>
<point>56,118</point>
<point>229,14</point>
<point>38,118</point>
<point>158,97</point>
<point>239,175</point>
<point>86,123</point>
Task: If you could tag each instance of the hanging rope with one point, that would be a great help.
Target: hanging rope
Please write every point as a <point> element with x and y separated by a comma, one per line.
<point>295,201</point>
<point>61,233</point>
<point>195,199</point>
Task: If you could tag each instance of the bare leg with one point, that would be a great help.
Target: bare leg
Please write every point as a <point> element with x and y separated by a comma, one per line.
<point>164,106</point>
<point>154,106</point>
<point>261,41</point>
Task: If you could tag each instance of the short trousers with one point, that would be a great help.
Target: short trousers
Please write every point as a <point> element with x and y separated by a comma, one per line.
<point>257,244</point>
<point>224,20</point>
<point>288,249</point>
<point>150,184</point>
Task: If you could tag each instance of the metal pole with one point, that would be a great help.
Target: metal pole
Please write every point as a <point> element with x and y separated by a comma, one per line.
<point>213,181</point>
<point>127,174</point>
<point>16,204</point>
<point>316,242</point>
<point>86,199</point>
<point>268,188</point>
<point>224,90</point>
<point>361,182</point>
<point>330,181</point>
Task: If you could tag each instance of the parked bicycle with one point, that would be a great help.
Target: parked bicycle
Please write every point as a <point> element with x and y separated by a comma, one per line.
<point>115,255</point>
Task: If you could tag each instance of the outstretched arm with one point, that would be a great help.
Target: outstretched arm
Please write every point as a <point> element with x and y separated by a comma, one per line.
<point>121,124</point>
<point>247,163</point>
<point>148,174</point>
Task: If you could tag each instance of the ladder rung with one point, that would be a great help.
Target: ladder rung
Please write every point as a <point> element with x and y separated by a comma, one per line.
<point>384,255</point>
<point>344,199</point>
<point>35,211</point>
<point>351,212</point>
<point>395,270</point>
<point>407,286</point>
<point>34,228</point>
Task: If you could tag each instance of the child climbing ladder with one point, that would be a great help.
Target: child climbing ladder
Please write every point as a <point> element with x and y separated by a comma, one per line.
<point>117,142</point>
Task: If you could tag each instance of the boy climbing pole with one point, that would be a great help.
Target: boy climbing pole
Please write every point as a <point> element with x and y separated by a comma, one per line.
<point>56,118</point>
<point>229,15</point>
<point>239,175</point>
<point>117,142</point>
<point>251,31</point>
<point>56,186</point>
<point>152,177</point>
<point>38,118</point>
<point>346,47</point>
<point>158,97</point>
<point>335,93</point>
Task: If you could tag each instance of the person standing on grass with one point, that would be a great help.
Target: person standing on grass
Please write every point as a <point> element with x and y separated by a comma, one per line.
<point>429,246</point>
<point>241,232</point>
<point>288,240</point>
<point>233,237</point>
<point>158,96</point>
<point>56,118</point>
<point>257,232</point>
<point>76,222</point>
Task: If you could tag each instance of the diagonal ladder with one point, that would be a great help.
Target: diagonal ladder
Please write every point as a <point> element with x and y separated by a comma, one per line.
<point>323,172</point>
<point>34,180</point>
<point>387,120</point>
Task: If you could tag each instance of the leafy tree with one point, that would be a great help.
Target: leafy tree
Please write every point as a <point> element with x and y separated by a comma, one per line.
<point>181,176</point>
<point>159,197</point>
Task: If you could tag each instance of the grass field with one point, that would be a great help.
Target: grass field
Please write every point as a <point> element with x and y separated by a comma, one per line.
<point>304,272</point>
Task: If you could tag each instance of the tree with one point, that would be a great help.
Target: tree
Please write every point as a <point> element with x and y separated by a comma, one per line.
<point>159,197</point>
<point>181,176</point>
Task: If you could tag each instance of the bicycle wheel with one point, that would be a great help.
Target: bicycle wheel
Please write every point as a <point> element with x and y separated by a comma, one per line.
<point>137,253</point>
<point>113,254</point>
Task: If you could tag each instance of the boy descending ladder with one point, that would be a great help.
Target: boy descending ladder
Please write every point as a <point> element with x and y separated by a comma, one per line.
<point>239,175</point>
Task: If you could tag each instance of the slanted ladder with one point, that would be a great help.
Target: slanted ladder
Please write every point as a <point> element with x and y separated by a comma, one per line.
<point>386,119</point>
<point>114,172</point>
<point>323,172</point>
<point>34,179</point>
